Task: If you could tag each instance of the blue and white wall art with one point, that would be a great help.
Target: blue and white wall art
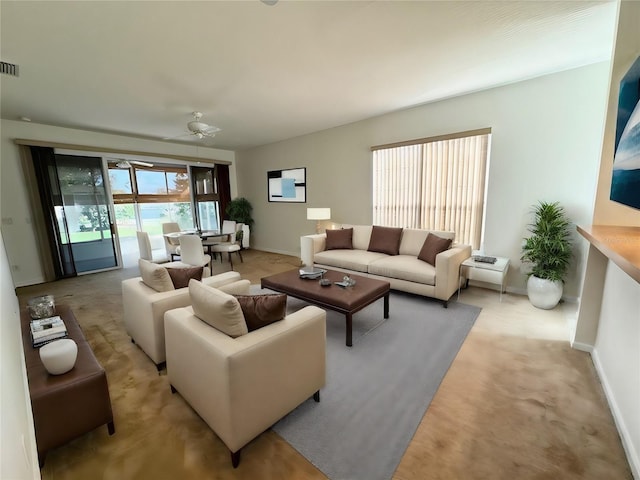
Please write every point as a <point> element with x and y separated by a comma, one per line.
<point>625,181</point>
<point>287,185</point>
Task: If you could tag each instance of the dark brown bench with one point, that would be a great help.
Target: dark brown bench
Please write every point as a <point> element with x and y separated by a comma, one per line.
<point>69,405</point>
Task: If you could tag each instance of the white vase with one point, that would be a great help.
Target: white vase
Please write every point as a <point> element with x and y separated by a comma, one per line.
<point>544,293</point>
<point>59,356</point>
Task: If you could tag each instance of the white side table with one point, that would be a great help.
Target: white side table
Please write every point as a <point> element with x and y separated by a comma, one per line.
<point>494,273</point>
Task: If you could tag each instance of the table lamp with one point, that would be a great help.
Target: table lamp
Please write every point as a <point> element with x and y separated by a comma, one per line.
<point>318,214</point>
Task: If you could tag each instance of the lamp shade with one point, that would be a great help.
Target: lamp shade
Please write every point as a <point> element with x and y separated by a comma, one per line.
<point>318,213</point>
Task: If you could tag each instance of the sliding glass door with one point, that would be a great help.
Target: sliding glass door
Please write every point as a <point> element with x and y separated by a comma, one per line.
<point>82,211</point>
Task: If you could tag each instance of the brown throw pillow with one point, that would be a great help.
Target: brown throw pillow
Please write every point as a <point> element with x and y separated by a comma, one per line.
<point>180,276</point>
<point>432,246</point>
<point>261,310</point>
<point>385,240</point>
<point>340,239</point>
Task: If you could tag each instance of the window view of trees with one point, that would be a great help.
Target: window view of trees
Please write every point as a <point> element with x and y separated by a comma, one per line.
<point>147,197</point>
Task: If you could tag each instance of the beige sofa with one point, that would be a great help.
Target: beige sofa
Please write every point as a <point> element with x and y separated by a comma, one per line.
<point>144,309</point>
<point>405,271</point>
<point>241,386</point>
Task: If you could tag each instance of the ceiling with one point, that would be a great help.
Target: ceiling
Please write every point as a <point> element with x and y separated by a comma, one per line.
<point>268,73</point>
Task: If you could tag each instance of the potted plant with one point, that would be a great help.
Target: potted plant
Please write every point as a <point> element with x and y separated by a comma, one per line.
<point>239,210</point>
<point>548,249</point>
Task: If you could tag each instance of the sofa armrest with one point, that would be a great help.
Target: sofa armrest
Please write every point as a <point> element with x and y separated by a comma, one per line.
<point>241,287</point>
<point>241,386</point>
<point>448,270</point>
<point>221,279</point>
<point>310,245</point>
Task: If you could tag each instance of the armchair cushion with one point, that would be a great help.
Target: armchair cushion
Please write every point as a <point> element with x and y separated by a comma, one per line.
<point>220,310</point>
<point>155,276</point>
<point>432,246</point>
<point>339,239</point>
<point>180,276</point>
<point>385,240</point>
<point>261,310</point>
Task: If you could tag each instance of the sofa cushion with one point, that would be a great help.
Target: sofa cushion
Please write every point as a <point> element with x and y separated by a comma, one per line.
<point>404,267</point>
<point>413,239</point>
<point>339,239</point>
<point>180,276</point>
<point>356,260</point>
<point>433,245</point>
<point>361,236</point>
<point>261,310</point>
<point>385,240</point>
<point>220,310</point>
<point>155,276</point>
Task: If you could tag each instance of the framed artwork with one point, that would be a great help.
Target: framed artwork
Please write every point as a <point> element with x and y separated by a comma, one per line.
<point>625,179</point>
<point>287,185</point>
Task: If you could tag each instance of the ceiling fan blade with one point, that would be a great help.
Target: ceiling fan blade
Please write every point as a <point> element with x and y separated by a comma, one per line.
<point>188,134</point>
<point>141,163</point>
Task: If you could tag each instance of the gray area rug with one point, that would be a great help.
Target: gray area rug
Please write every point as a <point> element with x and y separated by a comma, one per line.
<point>378,390</point>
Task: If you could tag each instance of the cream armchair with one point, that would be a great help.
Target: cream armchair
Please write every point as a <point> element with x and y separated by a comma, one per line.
<point>242,386</point>
<point>144,310</point>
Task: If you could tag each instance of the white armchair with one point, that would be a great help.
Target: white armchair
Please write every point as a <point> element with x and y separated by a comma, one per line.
<point>241,386</point>
<point>144,310</point>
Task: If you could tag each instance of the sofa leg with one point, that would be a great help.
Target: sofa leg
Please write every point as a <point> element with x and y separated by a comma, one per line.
<point>133,341</point>
<point>111,428</point>
<point>316,396</point>
<point>445,303</point>
<point>160,366</point>
<point>173,389</point>
<point>235,458</point>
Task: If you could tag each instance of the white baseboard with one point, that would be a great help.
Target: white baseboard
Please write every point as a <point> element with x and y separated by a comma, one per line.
<point>583,347</point>
<point>632,456</point>
<point>281,252</point>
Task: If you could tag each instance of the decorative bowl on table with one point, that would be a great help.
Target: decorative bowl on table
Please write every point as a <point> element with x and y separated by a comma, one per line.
<point>41,307</point>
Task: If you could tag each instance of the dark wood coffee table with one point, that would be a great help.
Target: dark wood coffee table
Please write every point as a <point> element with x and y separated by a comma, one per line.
<point>347,300</point>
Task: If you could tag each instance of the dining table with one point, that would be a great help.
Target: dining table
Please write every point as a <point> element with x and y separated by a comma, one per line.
<point>205,235</point>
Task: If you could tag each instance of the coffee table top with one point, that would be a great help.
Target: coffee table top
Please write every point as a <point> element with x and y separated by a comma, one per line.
<point>347,299</point>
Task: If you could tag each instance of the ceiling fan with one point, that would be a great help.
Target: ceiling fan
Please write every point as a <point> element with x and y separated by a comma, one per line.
<point>198,129</point>
<point>129,163</point>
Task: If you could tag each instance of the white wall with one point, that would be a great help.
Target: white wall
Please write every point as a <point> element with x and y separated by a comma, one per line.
<point>610,328</point>
<point>14,201</point>
<point>616,355</point>
<point>18,452</point>
<point>546,145</point>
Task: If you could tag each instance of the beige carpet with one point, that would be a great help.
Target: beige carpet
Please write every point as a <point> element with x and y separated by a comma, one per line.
<point>517,403</point>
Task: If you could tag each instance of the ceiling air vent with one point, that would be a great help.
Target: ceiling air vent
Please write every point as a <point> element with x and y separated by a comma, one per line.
<point>9,69</point>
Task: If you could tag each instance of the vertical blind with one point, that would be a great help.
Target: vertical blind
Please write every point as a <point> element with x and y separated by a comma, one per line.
<point>435,185</point>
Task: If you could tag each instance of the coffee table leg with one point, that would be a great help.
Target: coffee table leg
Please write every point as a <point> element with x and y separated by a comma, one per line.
<point>349,328</point>
<point>386,305</point>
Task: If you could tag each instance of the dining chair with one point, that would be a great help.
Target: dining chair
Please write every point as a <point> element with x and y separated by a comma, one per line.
<point>228,228</point>
<point>191,251</point>
<point>228,247</point>
<point>146,252</point>
<point>171,248</point>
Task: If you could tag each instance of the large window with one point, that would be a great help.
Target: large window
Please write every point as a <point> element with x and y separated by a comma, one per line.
<point>146,197</point>
<point>436,184</point>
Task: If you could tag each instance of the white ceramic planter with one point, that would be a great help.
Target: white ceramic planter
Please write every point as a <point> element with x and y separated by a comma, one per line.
<point>59,356</point>
<point>543,293</point>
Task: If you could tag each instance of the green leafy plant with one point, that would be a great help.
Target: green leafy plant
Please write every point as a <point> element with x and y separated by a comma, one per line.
<point>549,246</point>
<point>239,209</point>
